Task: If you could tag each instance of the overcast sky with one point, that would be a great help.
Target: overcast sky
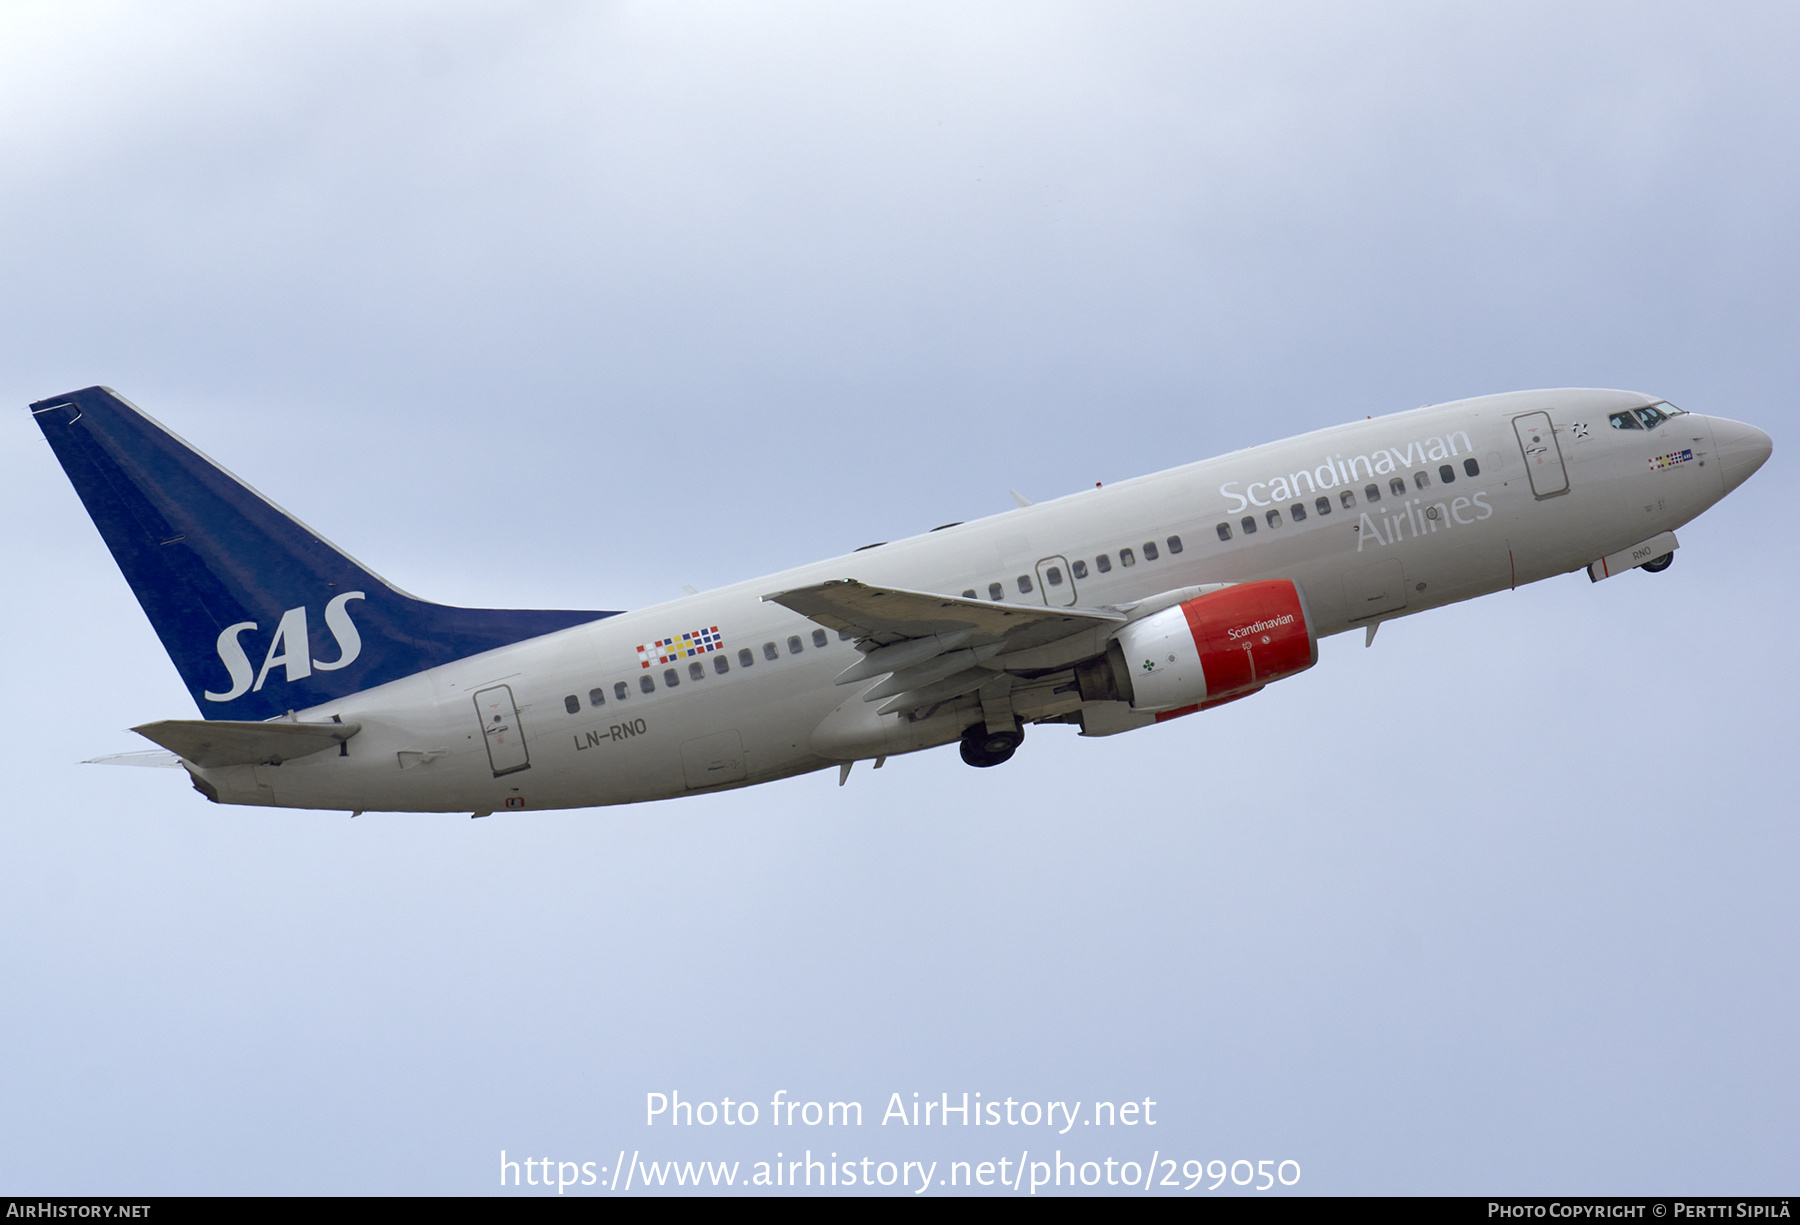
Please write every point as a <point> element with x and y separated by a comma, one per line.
<point>568,305</point>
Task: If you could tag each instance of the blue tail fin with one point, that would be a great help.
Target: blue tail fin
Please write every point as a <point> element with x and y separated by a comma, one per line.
<point>260,615</point>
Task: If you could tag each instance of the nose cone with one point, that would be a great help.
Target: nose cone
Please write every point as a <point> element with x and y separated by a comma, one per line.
<point>1741,450</point>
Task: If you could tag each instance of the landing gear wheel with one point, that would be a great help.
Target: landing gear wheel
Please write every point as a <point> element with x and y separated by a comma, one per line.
<point>1657,565</point>
<point>983,749</point>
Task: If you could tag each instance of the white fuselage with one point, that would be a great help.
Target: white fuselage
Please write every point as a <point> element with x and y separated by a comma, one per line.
<point>1425,543</point>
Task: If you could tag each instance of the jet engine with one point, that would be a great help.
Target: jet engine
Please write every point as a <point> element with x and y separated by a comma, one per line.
<point>1213,648</point>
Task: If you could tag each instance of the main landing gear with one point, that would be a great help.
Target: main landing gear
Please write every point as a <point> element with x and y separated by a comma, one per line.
<point>982,748</point>
<point>1657,565</point>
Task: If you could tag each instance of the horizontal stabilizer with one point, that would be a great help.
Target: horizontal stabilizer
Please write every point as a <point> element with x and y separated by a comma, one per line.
<point>228,742</point>
<point>142,757</point>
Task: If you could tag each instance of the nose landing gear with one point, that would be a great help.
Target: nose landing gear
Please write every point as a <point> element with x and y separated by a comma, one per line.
<point>981,748</point>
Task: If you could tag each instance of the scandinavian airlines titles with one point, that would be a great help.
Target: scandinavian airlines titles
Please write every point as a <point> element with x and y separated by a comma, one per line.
<point>1335,470</point>
<point>1420,516</point>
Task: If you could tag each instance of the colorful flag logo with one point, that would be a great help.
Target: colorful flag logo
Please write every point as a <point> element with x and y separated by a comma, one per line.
<point>680,646</point>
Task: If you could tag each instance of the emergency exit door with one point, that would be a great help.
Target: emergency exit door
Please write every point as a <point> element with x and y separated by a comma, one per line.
<point>1056,582</point>
<point>1543,455</point>
<point>500,729</point>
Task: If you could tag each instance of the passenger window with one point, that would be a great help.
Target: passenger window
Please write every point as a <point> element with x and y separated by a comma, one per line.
<point>1623,421</point>
<point>1421,479</point>
<point>819,638</point>
<point>1127,557</point>
<point>1372,492</point>
<point>671,678</point>
<point>1471,467</point>
<point>1297,512</point>
<point>1078,569</point>
<point>1224,530</point>
<point>1105,563</point>
<point>996,591</point>
<point>1024,584</point>
<point>1348,498</point>
<point>1248,523</point>
<point>1174,543</point>
<point>1150,553</point>
<point>696,672</point>
<point>969,594</point>
<point>647,683</point>
<point>745,658</point>
<point>572,704</point>
<point>721,665</point>
<point>1322,505</point>
<point>794,647</point>
<point>597,697</point>
<point>1053,576</point>
<point>1274,518</point>
<point>1446,473</point>
<point>1398,487</point>
<point>769,651</point>
<point>621,691</point>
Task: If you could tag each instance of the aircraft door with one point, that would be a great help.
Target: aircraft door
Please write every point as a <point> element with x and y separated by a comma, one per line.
<point>500,728</point>
<point>1543,455</point>
<point>1055,581</point>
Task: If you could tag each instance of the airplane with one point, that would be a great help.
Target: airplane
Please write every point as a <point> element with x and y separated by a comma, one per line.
<point>323,686</point>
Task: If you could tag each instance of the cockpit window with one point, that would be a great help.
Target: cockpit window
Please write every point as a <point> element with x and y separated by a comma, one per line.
<point>1623,421</point>
<point>1650,417</point>
<point>1667,409</point>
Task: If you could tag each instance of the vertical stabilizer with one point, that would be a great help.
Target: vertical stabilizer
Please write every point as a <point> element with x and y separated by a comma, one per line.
<point>259,613</point>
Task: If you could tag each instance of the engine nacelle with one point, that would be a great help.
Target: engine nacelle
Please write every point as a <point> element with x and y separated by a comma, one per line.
<point>1214,648</point>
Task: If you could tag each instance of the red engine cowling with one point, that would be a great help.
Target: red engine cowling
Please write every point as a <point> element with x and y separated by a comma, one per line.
<point>1214,648</point>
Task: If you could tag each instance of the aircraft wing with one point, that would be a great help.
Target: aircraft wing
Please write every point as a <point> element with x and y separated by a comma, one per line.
<point>932,647</point>
<point>889,614</point>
